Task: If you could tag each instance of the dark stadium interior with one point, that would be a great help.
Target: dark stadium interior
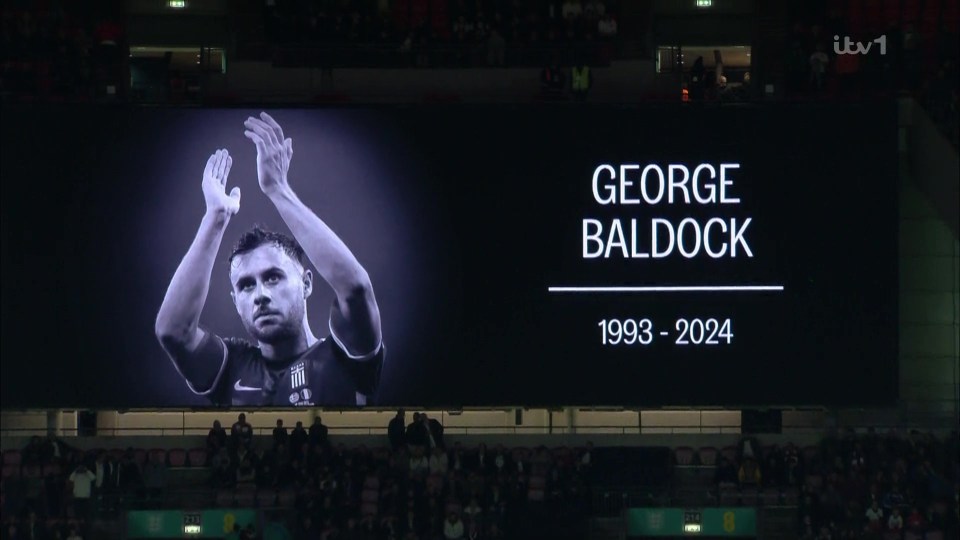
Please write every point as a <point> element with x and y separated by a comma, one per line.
<point>838,422</point>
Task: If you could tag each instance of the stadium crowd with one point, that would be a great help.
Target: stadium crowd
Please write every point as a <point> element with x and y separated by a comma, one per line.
<point>854,485</point>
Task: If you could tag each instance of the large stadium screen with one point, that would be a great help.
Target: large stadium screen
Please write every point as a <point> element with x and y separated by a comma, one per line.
<point>449,256</point>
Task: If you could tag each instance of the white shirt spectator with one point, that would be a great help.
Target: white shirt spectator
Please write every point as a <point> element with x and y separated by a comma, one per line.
<point>895,522</point>
<point>819,61</point>
<point>874,515</point>
<point>607,27</point>
<point>419,464</point>
<point>82,482</point>
<point>453,530</point>
<point>571,8</point>
<point>439,463</point>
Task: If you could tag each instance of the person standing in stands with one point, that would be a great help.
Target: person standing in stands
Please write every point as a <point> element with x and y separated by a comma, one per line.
<point>241,433</point>
<point>271,282</point>
<point>298,438</point>
<point>396,431</point>
<point>216,438</point>
<point>318,433</point>
<point>434,431</point>
<point>280,435</point>
<point>82,480</point>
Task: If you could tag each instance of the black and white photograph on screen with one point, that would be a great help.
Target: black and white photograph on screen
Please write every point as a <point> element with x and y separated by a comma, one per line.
<point>271,280</point>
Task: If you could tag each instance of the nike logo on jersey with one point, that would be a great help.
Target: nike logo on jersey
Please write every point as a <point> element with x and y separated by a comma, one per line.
<point>241,388</point>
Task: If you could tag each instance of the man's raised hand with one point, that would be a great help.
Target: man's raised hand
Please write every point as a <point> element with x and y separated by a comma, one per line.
<point>215,185</point>
<point>273,152</point>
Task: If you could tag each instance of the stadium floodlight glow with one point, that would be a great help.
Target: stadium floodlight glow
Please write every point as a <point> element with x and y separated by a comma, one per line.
<point>177,4</point>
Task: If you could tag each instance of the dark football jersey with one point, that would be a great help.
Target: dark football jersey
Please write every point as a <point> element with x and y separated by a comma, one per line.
<point>322,375</point>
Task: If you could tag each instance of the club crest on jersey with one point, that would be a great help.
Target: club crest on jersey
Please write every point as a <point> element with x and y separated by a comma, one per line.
<point>298,376</point>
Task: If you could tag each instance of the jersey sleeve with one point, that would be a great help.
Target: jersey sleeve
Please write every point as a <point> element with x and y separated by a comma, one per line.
<point>204,368</point>
<point>365,373</point>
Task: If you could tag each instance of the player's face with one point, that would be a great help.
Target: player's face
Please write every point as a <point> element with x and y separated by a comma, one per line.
<point>270,291</point>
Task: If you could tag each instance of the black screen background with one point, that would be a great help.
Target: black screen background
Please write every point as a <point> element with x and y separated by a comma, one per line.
<point>463,216</point>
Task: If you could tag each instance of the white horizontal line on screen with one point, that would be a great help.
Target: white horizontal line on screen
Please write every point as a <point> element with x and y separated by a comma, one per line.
<point>666,288</point>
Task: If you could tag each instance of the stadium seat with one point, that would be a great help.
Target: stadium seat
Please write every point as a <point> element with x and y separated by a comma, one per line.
<point>266,498</point>
<point>891,535</point>
<point>729,452</point>
<point>246,497</point>
<point>197,457</point>
<point>51,470</point>
<point>371,482</point>
<point>809,453</point>
<point>177,457</point>
<point>158,453</point>
<point>683,455</point>
<point>12,457</point>
<point>140,456</point>
<point>435,481</point>
<point>537,482</point>
<point>934,535</point>
<point>729,496</point>
<point>11,471</point>
<point>910,535</point>
<point>520,453</point>
<point>287,498</point>
<point>535,495</point>
<point>370,496</point>
<point>453,506</point>
<point>116,453</point>
<point>224,498</point>
<point>708,456</point>
<point>815,481</point>
<point>32,471</point>
<point>368,509</point>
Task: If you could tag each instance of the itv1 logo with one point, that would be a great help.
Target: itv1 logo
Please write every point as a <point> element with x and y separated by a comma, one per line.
<point>857,47</point>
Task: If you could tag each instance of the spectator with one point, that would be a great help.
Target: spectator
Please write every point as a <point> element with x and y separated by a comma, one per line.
<point>874,517</point>
<point>280,435</point>
<point>818,68</point>
<point>216,438</point>
<point>749,473</point>
<point>417,437</point>
<point>241,433</point>
<point>453,527</point>
<point>246,475</point>
<point>581,81</point>
<point>74,534</point>
<point>155,477</point>
<point>82,480</point>
<point>895,521</point>
<point>434,431</point>
<point>396,431</point>
<point>607,27</point>
<point>298,439</point>
<point>318,433</point>
<point>916,521</point>
<point>439,462</point>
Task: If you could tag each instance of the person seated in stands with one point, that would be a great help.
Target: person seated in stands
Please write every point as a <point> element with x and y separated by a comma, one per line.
<point>216,438</point>
<point>874,516</point>
<point>439,462</point>
<point>916,521</point>
<point>453,527</point>
<point>32,454</point>
<point>749,473</point>
<point>246,474</point>
<point>725,473</point>
<point>222,474</point>
<point>154,476</point>
<point>419,466</point>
